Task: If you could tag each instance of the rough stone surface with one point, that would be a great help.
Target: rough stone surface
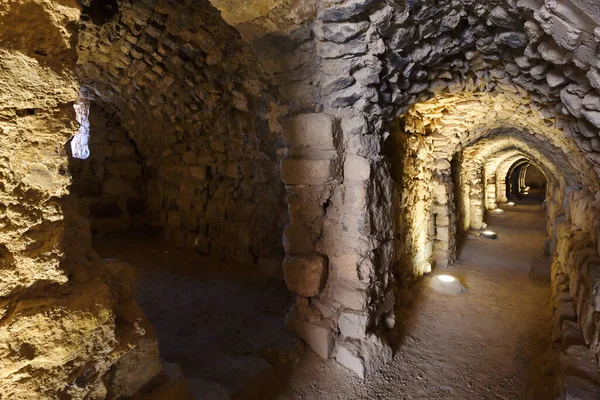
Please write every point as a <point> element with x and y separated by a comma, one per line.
<point>67,318</point>
<point>305,274</point>
<point>389,128</point>
<point>201,121</point>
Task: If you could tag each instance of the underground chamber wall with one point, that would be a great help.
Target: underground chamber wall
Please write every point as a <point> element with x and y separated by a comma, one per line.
<point>333,78</point>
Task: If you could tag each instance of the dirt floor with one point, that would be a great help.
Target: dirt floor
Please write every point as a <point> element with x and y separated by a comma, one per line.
<point>224,325</point>
<point>487,343</point>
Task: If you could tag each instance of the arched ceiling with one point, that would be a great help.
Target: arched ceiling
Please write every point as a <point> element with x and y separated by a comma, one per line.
<point>179,79</point>
<point>498,165</point>
<point>493,149</point>
<point>454,70</point>
<point>453,122</point>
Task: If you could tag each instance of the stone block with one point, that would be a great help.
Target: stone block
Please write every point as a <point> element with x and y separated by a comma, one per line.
<point>314,131</point>
<point>335,50</point>
<point>571,335</point>
<point>316,336</point>
<point>353,296</point>
<point>353,324</point>
<point>306,172</point>
<point>345,11</point>
<point>565,34</point>
<point>137,369</point>
<point>579,361</point>
<point>566,311</point>
<point>593,116</point>
<point>305,274</point>
<point>345,267</point>
<point>551,52</point>
<point>296,239</point>
<point>357,168</point>
<point>343,32</point>
<point>364,357</point>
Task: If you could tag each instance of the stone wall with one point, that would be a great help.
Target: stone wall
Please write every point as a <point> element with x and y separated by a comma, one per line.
<point>366,63</point>
<point>575,280</point>
<point>68,321</point>
<point>191,97</point>
<point>500,74</point>
<point>110,185</point>
<point>534,177</point>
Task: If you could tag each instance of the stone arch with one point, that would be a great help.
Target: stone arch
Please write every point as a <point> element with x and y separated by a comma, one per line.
<point>374,61</point>
<point>339,82</point>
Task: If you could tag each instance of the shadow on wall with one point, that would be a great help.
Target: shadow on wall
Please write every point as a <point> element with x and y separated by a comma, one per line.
<point>534,177</point>
<point>110,184</point>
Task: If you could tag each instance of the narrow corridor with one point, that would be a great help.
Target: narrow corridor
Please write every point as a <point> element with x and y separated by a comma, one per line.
<point>487,343</point>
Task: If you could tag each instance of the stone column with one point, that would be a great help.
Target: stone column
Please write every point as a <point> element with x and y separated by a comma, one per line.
<point>476,196</point>
<point>445,220</point>
<point>490,193</point>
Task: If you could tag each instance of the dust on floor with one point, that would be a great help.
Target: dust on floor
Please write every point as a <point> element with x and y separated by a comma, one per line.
<point>221,323</point>
<point>488,343</point>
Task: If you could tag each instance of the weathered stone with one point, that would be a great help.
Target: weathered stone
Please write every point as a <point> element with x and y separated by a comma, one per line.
<point>499,16</point>
<point>318,337</point>
<point>514,40</point>
<point>353,325</point>
<point>345,97</point>
<point>365,357</point>
<point>314,131</point>
<point>336,50</point>
<point>572,98</point>
<point>575,388</point>
<point>594,77</point>
<point>306,172</point>
<point>551,52</point>
<point>305,274</point>
<point>534,31</point>
<point>345,11</point>
<point>356,169</point>
<point>297,240</point>
<point>579,361</point>
<point>592,116</point>
<point>343,32</point>
<point>555,78</point>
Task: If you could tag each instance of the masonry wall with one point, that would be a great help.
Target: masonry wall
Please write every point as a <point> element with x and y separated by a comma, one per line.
<point>191,97</point>
<point>69,326</point>
<point>575,279</point>
<point>110,185</point>
<point>534,177</point>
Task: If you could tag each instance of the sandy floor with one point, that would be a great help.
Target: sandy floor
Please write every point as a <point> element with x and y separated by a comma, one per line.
<point>223,325</point>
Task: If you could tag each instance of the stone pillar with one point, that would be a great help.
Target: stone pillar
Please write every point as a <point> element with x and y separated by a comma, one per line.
<point>444,247</point>
<point>522,177</point>
<point>501,186</point>
<point>309,175</point>
<point>476,195</point>
<point>490,193</point>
